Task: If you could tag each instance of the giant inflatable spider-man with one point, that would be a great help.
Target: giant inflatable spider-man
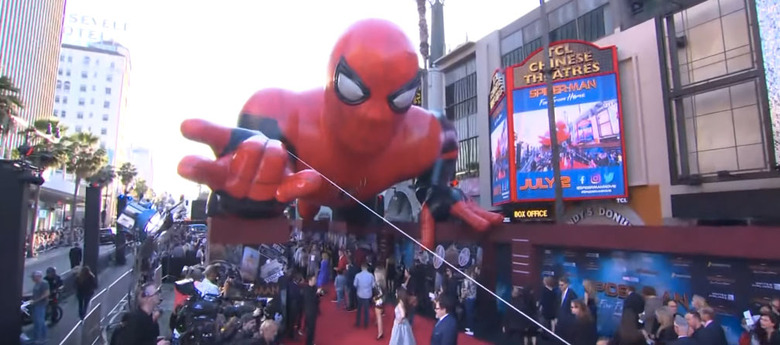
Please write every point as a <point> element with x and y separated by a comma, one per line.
<point>361,131</point>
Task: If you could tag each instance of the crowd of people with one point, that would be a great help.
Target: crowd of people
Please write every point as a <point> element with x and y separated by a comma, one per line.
<point>366,283</point>
<point>646,319</point>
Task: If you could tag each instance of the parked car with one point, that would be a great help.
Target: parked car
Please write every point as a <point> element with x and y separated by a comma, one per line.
<point>107,235</point>
<point>198,229</point>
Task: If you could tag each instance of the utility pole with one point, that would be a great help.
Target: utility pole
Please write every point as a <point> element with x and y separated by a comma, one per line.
<point>556,154</point>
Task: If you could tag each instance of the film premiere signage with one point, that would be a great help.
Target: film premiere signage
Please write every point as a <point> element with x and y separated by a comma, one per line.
<point>588,115</point>
<point>731,286</point>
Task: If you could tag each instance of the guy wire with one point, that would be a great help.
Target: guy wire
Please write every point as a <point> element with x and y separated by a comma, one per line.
<point>429,250</point>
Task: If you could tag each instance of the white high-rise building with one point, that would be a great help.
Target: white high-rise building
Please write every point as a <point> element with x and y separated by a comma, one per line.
<point>143,160</point>
<point>91,93</point>
<point>30,36</point>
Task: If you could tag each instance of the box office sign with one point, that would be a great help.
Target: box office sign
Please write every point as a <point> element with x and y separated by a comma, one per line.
<point>530,213</point>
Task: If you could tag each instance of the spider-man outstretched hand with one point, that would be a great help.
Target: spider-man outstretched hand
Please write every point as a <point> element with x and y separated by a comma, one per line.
<point>360,131</point>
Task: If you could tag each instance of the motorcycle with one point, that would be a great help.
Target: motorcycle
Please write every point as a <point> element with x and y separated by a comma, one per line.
<point>53,309</point>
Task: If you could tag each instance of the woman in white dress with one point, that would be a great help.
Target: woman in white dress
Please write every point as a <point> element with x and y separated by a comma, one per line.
<point>402,331</point>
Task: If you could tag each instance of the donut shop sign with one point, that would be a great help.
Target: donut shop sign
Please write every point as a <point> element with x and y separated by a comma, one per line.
<point>602,212</point>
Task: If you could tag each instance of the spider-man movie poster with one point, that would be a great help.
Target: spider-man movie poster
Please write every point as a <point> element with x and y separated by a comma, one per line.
<point>730,286</point>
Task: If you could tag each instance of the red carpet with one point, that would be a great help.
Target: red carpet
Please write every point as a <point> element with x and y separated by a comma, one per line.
<point>337,327</point>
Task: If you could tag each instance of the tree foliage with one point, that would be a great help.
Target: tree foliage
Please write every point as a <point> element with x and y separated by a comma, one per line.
<point>127,172</point>
<point>10,103</point>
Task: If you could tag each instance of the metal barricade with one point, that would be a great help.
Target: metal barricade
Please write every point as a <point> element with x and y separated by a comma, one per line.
<point>158,275</point>
<point>116,292</point>
<point>74,336</point>
<point>91,332</point>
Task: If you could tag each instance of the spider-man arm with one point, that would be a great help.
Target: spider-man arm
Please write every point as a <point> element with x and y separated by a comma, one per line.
<point>253,175</point>
<point>440,200</point>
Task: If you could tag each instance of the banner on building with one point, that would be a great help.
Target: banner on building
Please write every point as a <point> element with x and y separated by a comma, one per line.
<point>586,92</point>
<point>499,140</point>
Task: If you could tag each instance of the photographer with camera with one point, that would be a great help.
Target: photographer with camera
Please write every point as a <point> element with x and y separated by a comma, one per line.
<point>311,307</point>
<point>142,327</point>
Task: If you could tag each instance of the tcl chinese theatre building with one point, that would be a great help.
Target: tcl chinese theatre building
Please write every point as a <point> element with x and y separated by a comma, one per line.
<point>667,138</point>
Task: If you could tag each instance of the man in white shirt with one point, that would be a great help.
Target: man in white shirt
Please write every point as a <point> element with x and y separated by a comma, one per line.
<point>209,286</point>
<point>364,284</point>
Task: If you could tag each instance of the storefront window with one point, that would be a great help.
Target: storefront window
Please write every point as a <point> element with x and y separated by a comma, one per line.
<point>718,116</point>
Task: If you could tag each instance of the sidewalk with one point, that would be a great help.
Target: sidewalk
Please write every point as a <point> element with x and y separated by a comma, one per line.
<point>57,258</point>
<point>70,306</point>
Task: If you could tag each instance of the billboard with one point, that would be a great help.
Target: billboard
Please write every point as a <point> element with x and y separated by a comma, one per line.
<point>731,286</point>
<point>588,118</point>
<point>499,140</point>
<point>768,12</point>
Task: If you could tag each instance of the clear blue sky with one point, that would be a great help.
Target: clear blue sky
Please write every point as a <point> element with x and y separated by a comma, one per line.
<point>203,59</point>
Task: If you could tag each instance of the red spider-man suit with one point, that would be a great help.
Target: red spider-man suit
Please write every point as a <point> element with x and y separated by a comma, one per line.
<point>361,131</point>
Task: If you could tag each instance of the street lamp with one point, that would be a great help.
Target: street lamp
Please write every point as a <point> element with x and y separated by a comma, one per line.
<point>556,155</point>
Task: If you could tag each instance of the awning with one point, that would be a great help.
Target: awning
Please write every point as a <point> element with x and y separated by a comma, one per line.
<point>53,196</point>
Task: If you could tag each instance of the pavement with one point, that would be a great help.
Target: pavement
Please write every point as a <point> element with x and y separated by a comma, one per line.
<point>69,304</point>
<point>57,258</point>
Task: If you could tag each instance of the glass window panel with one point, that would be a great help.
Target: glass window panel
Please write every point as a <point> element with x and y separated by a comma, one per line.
<point>712,102</point>
<point>708,72</point>
<point>728,6</point>
<point>751,157</point>
<point>735,30</point>
<point>690,134</point>
<point>714,131</point>
<point>704,40</point>
<point>747,125</point>
<point>743,94</point>
<point>702,13</point>
<point>718,160</point>
<point>739,63</point>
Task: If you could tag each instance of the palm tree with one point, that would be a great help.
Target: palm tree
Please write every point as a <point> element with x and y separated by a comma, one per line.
<point>423,24</point>
<point>47,152</point>
<point>10,104</point>
<point>127,172</point>
<point>85,158</point>
<point>141,188</point>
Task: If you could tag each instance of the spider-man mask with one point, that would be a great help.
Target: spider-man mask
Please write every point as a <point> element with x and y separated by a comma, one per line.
<point>373,75</point>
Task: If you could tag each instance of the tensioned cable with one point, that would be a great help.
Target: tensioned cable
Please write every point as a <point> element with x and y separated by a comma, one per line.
<point>429,250</point>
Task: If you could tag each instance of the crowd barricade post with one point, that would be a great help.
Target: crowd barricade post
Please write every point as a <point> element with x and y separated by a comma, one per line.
<point>91,332</point>
<point>158,275</point>
<point>115,293</point>
<point>74,336</point>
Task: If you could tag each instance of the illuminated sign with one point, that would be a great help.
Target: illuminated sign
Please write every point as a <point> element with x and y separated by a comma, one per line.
<point>499,141</point>
<point>497,90</point>
<point>531,214</point>
<point>588,120</point>
<point>417,97</point>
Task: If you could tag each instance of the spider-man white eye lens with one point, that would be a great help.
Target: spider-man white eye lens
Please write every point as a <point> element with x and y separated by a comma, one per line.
<point>348,89</point>
<point>403,100</point>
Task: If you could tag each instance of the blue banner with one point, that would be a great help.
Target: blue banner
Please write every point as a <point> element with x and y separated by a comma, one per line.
<point>730,286</point>
<point>588,126</point>
<point>499,157</point>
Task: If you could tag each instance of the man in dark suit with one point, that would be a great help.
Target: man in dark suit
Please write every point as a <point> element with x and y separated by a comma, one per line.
<point>564,316</point>
<point>635,303</point>
<point>711,332</point>
<point>446,330</point>
<point>311,307</point>
<point>681,328</point>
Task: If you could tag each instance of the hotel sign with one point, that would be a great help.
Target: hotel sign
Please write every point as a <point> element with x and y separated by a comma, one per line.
<point>80,29</point>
